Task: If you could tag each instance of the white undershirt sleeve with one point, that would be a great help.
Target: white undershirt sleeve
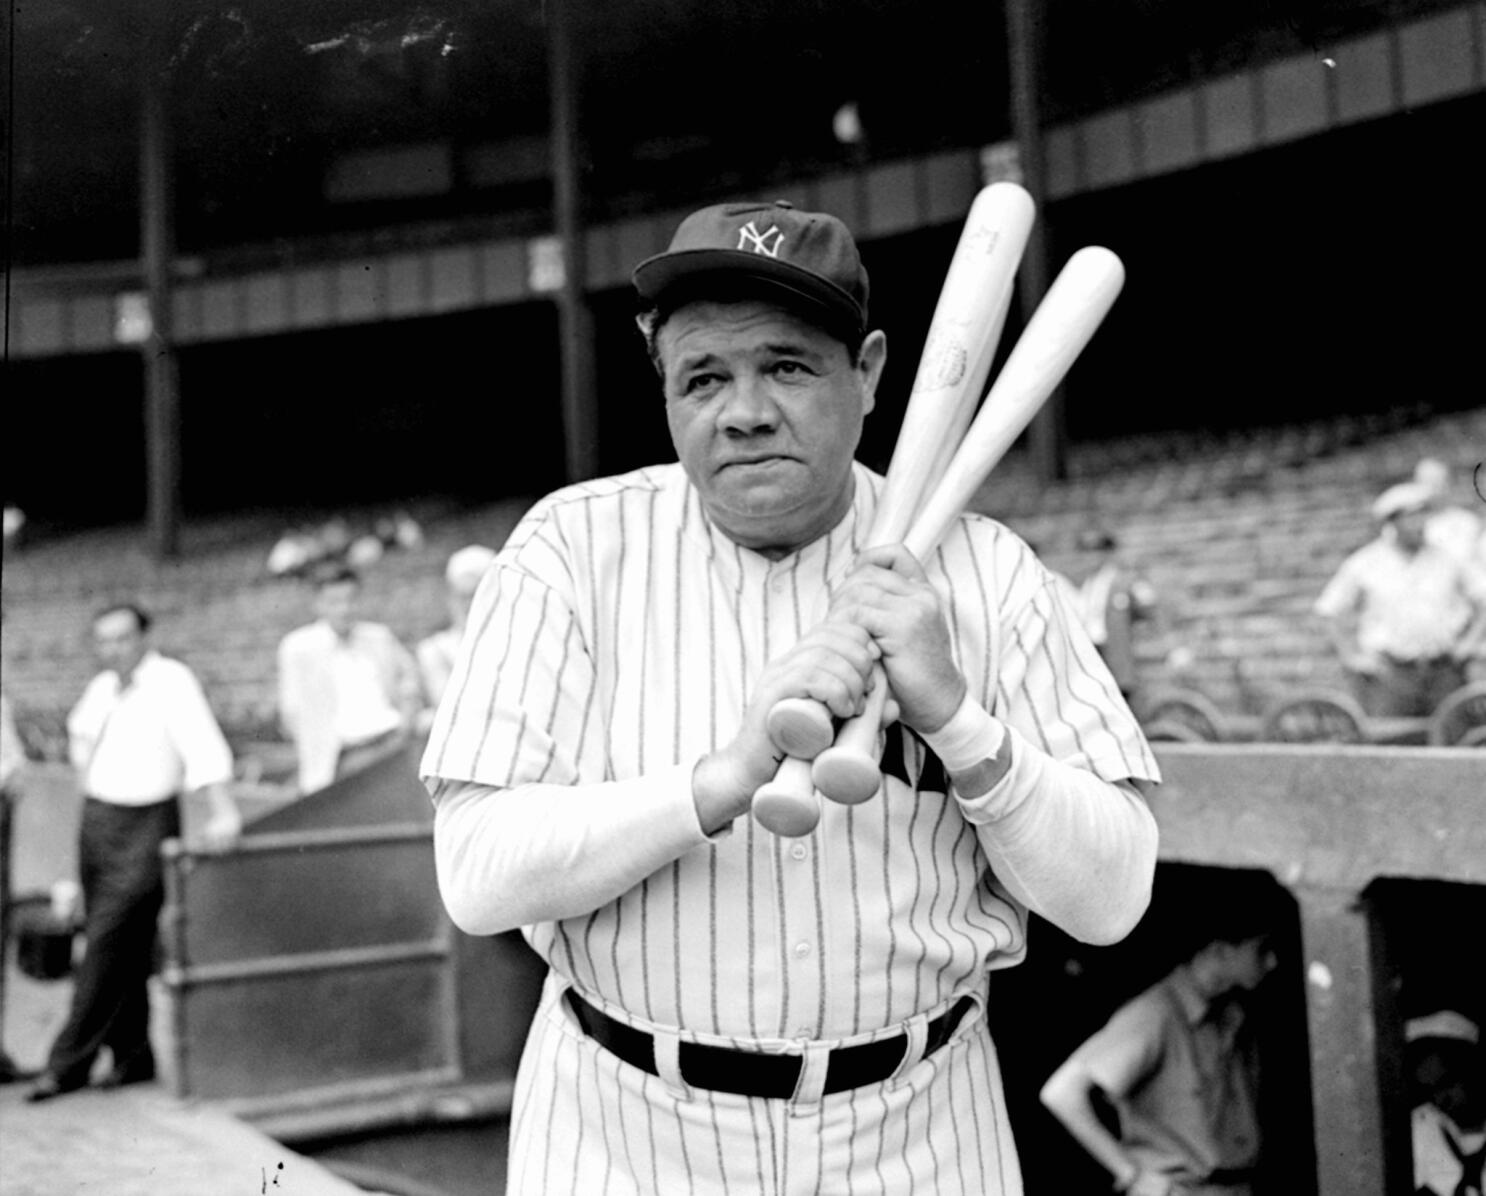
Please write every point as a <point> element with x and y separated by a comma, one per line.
<point>541,852</point>
<point>1073,847</point>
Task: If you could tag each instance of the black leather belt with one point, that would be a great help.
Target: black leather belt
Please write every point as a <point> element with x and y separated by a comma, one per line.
<point>753,1073</point>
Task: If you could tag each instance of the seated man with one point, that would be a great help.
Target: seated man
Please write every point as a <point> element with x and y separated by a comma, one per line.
<point>348,690</point>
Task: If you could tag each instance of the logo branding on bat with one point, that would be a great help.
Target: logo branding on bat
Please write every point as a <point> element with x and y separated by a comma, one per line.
<point>984,239</point>
<point>766,243</point>
<point>945,361</point>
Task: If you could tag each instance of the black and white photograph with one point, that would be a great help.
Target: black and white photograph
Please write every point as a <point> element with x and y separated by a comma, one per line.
<point>791,598</point>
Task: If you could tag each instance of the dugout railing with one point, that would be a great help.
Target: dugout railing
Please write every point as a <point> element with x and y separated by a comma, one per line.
<point>314,984</point>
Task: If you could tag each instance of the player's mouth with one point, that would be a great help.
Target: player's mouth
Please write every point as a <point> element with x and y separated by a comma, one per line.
<point>758,461</point>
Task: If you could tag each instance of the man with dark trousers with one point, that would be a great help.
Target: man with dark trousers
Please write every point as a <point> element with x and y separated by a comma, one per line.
<point>141,736</point>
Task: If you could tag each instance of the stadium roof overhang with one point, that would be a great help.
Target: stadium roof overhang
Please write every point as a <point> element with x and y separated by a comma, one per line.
<point>312,147</point>
<point>318,121</point>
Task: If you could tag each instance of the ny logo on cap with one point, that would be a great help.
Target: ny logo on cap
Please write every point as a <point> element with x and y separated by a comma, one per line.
<point>749,236</point>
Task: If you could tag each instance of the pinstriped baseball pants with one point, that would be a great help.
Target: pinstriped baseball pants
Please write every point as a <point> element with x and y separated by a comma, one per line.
<point>585,1123</point>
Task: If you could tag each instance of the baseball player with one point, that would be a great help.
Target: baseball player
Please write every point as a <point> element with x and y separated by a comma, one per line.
<point>728,1010</point>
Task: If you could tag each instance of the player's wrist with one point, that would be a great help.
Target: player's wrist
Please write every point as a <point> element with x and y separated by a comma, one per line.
<point>968,738</point>
<point>722,787</point>
<point>949,696</point>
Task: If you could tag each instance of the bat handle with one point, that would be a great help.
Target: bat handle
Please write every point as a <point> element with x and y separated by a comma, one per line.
<point>848,772</point>
<point>801,727</point>
<point>788,805</point>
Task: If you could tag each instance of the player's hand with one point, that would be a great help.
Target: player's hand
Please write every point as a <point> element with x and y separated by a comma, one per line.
<point>832,664</point>
<point>888,595</point>
<point>222,830</point>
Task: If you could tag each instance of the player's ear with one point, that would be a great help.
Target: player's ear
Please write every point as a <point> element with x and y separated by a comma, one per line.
<point>870,360</point>
<point>648,322</point>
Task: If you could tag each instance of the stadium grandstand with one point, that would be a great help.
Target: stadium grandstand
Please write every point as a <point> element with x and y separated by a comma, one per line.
<point>273,264</point>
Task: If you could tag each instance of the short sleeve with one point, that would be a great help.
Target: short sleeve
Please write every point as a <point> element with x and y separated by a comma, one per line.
<point>1052,685</point>
<point>205,755</point>
<point>1127,1049</point>
<point>1341,594</point>
<point>519,707</point>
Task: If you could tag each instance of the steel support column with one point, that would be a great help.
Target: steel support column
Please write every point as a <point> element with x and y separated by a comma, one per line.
<point>1024,45</point>
<point>579,402</point>
<point>157,249</point>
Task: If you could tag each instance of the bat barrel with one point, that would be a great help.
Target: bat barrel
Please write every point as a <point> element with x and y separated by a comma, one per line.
<point>1063,324</point>
<point>958,351</point>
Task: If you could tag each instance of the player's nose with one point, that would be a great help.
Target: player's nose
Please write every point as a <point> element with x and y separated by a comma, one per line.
<point>748,406</point>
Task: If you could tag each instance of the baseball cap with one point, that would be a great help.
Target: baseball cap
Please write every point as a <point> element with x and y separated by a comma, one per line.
<point>1443,1023</point>
<point>803,258</point>
<point>1406,496</point>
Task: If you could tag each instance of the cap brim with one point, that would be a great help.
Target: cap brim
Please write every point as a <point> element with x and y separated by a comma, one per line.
<point>688,270</point>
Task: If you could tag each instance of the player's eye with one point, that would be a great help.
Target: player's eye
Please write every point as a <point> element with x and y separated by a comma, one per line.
<point>700,383</point>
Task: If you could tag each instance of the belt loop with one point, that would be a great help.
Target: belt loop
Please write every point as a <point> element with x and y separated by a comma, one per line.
<point>667,1045</point>
<point>917,1032</point>
<point>812,1080</point>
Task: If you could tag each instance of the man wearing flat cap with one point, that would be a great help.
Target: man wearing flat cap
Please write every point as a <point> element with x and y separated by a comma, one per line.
<point>727,1010</point>
<point>1405,616</point>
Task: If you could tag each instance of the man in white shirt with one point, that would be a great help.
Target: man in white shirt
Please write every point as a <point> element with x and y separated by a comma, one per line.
<point>141,736</point>
<point>348,690</point>
<point>1405,616</point>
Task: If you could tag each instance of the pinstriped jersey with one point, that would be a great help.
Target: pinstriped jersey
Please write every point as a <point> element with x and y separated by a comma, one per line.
<point>617,636</point>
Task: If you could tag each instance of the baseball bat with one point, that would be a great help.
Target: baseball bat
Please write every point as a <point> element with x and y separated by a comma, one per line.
<point>961,345</point>
<point>956,360</point>
<point>1063,324</point>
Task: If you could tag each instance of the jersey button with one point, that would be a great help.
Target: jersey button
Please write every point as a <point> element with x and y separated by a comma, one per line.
<point>802,950</point>
<point>799,850</point>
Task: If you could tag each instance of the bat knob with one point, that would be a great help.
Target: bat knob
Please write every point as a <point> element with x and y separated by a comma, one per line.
<point>800,727</point>
<point>786,811</point>
<point>846,776</point>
